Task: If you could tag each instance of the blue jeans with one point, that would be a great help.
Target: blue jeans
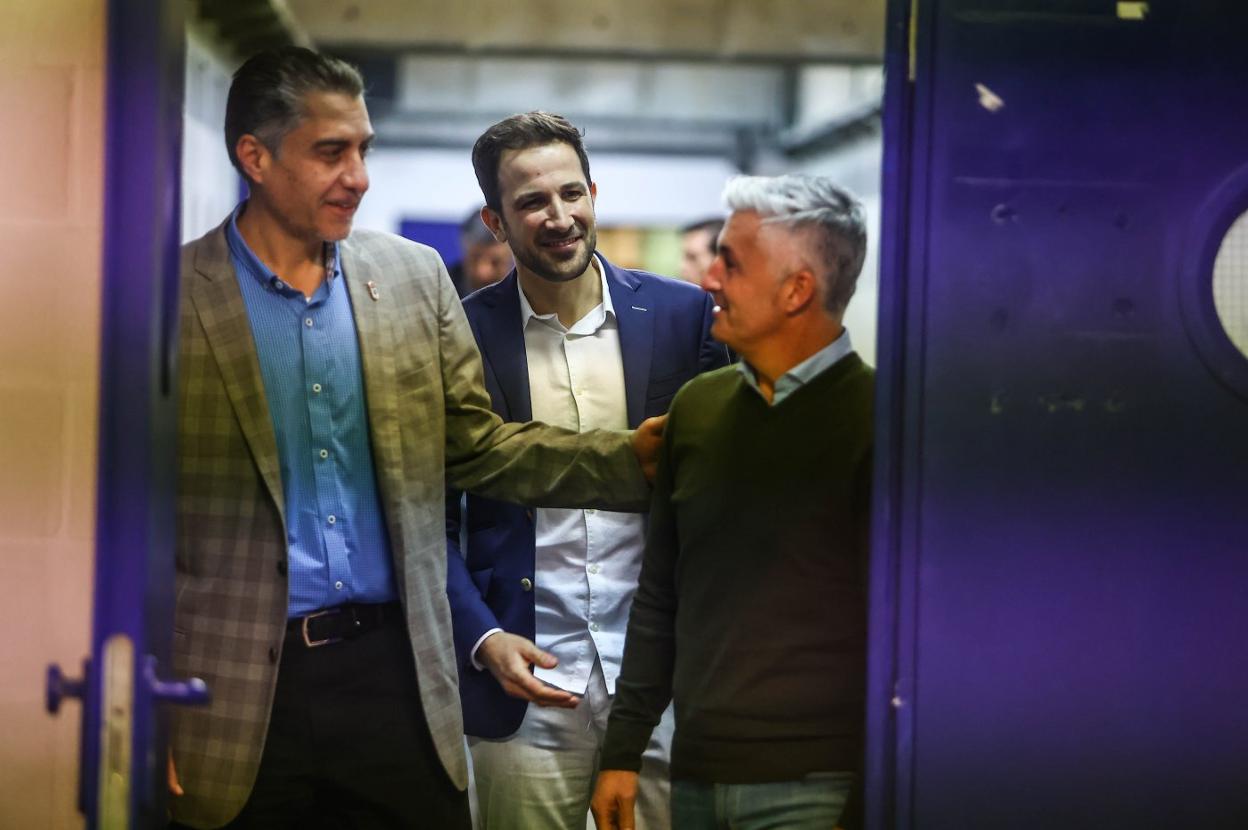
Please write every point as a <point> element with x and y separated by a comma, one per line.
<point>812,803</point>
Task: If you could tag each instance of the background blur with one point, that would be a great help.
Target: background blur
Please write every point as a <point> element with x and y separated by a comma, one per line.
<point>674,98</point>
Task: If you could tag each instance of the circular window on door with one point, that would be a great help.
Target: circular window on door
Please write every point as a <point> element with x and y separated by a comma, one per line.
<point>1213,282</point>
<point>1230,284</point>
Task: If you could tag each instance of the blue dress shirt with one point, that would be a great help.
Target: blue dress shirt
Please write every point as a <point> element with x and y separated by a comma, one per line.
<point>336,538</point>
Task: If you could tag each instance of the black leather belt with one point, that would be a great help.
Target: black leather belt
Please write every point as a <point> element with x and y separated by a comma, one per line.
<point>341,622</point>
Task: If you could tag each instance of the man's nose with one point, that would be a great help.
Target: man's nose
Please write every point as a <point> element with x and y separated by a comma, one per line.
<point>558,216</point>
<point>711,279</point>
<point>355,176</point>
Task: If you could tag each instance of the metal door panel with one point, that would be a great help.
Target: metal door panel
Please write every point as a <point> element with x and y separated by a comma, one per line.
<point>1065,468</point>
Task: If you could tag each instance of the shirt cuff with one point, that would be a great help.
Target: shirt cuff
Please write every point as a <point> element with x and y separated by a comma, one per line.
<point>472,655</point>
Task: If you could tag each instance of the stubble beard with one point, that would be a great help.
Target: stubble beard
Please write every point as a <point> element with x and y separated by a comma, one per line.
<point>559,270</point>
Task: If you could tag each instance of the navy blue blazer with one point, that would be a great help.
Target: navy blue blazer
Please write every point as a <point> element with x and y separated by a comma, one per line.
<point>665,339</point>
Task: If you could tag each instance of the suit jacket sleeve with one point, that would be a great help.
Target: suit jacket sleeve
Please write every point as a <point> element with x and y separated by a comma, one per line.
<point>470,615</point>
<point>532,463</point>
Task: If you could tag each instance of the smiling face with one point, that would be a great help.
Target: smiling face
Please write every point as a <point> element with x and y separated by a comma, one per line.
<point>547,214</point>
<point>314,184</point>
<point>747,281</point>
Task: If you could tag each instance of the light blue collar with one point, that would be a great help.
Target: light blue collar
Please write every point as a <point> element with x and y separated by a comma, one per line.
<point>804,372</point>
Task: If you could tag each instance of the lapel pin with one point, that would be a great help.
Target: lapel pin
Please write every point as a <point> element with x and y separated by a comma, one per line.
<point>372,290</point>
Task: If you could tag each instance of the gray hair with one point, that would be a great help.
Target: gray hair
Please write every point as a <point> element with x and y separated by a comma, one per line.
<point>799,202</point>
<point>269,93</point>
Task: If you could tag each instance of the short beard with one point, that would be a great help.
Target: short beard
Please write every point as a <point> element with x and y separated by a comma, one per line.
<point>578,266</point>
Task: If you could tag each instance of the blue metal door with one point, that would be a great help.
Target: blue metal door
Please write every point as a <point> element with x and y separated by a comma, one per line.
<point>1060,553</point>
<point>122,774</point>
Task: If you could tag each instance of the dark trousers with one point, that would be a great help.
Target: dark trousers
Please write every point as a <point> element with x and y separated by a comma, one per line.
<point>348,747</point>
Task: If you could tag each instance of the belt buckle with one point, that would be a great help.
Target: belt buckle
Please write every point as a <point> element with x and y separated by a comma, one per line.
<point>309,642</point>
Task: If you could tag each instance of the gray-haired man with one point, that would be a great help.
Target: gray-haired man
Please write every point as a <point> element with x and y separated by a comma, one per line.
<point>750,612</point>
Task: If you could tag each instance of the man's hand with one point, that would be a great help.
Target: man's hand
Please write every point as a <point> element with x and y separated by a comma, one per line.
<point>510,658</point>
<point>614,796</point>
<point>647,440</point>
<point>172,774</point>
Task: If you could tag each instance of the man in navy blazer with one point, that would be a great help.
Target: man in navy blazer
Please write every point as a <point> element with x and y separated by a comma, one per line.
<point>539,598</point>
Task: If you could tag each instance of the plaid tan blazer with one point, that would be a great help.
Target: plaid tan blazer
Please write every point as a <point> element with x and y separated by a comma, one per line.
<point>430,423</point>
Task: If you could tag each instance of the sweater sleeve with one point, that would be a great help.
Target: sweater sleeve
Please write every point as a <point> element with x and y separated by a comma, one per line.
<point>644,686</point>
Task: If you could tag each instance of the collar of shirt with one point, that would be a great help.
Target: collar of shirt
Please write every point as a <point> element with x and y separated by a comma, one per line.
<point>804,372</point>
<point>590,323</point>
<point>251,263</point>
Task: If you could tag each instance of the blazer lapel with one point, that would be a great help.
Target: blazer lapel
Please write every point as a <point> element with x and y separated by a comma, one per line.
<point>636,322</point>
<point>378,350</point>
<point>218,302</point>
<point>502,344</point>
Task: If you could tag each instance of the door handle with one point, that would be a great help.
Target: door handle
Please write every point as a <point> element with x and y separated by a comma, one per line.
<point>189,692</point>
<point>59,687</point>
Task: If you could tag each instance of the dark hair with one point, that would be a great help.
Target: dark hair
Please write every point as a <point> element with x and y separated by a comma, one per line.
<point>711,226</point>
<point>519,132</point>
<point>270,90</point>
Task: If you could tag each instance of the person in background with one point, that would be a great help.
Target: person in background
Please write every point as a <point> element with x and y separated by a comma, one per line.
<point>540,599</point>
<point>751,607</point>
<point>329,388</point>
<point>485,260</point>
<point>697,248</point>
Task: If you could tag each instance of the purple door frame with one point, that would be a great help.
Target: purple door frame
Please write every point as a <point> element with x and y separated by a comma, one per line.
<point>1060,547</point>
<point>134,559</point>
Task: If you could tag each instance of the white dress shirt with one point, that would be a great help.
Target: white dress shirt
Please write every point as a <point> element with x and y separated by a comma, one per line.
<point>587,560</point>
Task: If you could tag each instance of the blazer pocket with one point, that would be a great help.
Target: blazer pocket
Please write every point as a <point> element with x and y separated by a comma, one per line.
<point>414,375</point>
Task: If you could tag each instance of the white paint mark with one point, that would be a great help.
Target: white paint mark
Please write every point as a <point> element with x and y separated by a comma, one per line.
<point>988,99</point>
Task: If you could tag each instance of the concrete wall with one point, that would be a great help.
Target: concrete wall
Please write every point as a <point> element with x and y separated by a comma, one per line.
<point>209,183</point>
<point>51,94</point>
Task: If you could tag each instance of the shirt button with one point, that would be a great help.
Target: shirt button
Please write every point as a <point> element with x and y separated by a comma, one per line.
<point>307,321</point>
<point>325,454</point>
<point>332,519</point>
<point>278,284</point>
<point>526,584</point>
<point>338,585</point>
<point>593,626</point>
<point>593,569</point>
<point>316,387</point>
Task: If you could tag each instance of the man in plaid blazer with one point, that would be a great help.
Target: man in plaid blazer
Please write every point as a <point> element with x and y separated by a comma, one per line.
<point>330,389</point>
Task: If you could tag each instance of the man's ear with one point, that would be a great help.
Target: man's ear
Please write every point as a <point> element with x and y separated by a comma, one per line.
<point>494,222</point>
<point>801,288</point>
<point>253,157</point>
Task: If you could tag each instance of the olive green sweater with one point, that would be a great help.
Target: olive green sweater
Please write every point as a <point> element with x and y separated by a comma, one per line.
<point>750,612</point>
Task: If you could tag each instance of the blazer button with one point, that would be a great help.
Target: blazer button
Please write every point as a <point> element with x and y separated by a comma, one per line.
<point>526,584</point>
<point>273,654</point>
<point>281,567</point>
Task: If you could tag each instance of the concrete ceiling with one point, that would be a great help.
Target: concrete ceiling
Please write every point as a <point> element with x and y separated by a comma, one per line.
<point>796,31</point>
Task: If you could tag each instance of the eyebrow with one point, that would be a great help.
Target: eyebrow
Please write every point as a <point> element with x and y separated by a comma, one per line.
<point>342,142</point>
